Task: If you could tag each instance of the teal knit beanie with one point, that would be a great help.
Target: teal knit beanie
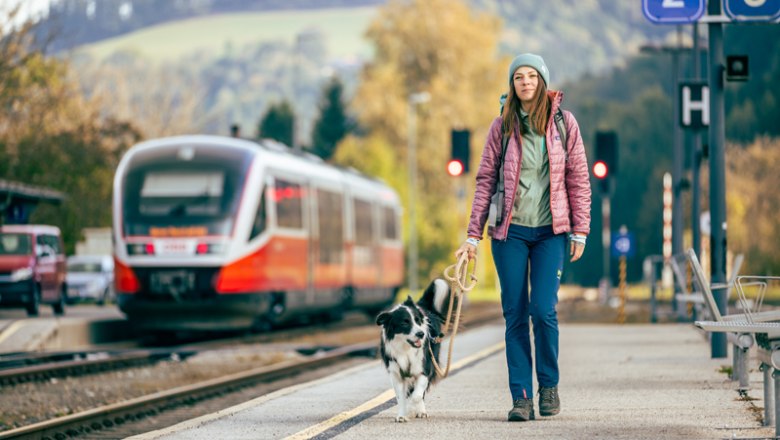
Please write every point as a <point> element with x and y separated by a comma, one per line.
<point>532,60</point>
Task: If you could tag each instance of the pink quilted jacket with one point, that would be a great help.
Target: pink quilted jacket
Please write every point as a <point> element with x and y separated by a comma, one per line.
<point>569,183</point>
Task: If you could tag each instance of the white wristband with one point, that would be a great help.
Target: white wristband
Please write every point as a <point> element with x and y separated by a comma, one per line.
<point>578,238</point>
<point>472,241</point>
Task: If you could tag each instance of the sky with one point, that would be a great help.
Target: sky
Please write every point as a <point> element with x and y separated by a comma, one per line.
<point>29,8</point>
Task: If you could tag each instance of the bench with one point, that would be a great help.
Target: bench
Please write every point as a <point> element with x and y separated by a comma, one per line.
<point>751,327</point>
<point>701,310</point>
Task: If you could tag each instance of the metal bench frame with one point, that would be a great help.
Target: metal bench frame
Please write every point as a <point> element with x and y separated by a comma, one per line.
<point>744,329</point>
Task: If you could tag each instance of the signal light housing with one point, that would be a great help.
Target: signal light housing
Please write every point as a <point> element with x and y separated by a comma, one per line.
<point>460,151</point>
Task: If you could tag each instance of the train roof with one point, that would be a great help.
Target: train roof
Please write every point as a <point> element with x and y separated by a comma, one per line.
<point>283,158</point>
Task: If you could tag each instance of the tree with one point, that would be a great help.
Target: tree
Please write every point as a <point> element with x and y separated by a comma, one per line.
<point>332,124</point>
<point>53,136</point>
<point>444,48</point>
<point>277,123</point>
<point>752,208</point>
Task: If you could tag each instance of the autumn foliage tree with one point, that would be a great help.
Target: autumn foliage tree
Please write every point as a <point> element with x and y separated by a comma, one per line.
<point>451,52</point>
<point>51,136</point>
<point>753,204</point>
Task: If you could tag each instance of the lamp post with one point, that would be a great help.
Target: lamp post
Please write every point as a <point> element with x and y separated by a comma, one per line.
<point>411,155</point>
<point>677,150</point>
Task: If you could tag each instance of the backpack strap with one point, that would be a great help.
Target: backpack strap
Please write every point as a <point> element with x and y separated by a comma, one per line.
<point>504,143</point>
<point>562,131</point>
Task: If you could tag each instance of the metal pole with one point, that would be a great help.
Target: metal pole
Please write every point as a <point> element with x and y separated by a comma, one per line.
<point>717,135</point>
<point>677,164</point>
<point>622,289</point>
<point>414,100</point>
<point>606,280</point>
<point>696,157</point>
<point>412,164</point>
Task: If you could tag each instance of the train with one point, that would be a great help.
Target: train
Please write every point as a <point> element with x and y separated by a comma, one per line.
<point>222,233</point>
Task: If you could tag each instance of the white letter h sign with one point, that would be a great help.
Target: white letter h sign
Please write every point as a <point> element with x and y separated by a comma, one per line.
<point>701,107</point>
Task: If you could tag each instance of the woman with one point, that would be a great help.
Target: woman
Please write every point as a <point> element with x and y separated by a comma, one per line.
<point>548,197</point>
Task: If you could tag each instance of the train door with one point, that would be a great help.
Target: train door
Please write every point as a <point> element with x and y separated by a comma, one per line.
<point>366,258</point>
<point>391,249</point>
<point>330,268</point>
<point>376,250</point>
<point>289,246</point>
<point>314,246</point>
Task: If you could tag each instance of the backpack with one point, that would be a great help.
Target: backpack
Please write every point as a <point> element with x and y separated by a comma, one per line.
<point>496,214</point>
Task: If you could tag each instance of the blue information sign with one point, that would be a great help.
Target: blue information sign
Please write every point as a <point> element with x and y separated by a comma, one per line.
<point>623,244</point>
<point>753,10</point>
<point>674,11</point>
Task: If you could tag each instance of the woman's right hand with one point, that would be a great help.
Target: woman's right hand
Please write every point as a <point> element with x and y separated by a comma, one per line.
<point>469,248</point>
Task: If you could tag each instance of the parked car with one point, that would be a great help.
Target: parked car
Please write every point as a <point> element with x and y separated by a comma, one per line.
<point>32,268</point>
<point>91,277</point>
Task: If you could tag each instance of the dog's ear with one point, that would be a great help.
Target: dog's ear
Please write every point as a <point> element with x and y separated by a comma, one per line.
<point>382,318</point>
<point>409,301</point>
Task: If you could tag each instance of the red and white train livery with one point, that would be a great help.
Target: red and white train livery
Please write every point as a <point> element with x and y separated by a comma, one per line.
<point>214,232</point>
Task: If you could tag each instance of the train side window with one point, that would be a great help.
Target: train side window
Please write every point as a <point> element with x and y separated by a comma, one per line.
<point>258,225</point>
<point>330,210</point>
<point>289,204</point>
<point>390,222</point>
<point>364,225</point>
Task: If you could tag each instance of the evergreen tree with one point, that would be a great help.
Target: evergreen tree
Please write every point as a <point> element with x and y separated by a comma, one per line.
<point>278,123</point>
<point>332,124</point>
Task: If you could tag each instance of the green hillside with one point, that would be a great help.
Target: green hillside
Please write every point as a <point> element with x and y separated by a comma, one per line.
<point>212,34</point>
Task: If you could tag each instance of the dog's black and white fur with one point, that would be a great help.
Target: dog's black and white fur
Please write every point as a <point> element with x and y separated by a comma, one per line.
<point>408,346</point>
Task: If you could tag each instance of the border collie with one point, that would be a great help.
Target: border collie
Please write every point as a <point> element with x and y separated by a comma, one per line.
<point>409,333</point>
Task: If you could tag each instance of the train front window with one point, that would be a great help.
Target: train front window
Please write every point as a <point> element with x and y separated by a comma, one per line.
<point>181,194</point>
<point>165,196</point>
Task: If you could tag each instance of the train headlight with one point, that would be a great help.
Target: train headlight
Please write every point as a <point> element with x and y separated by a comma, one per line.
<point>140,249</point>
<point>209,248</point>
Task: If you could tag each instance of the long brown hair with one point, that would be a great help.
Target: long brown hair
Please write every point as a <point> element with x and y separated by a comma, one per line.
<point>538,116</point>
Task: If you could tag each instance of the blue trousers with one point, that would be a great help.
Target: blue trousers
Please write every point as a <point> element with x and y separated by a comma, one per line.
<point>535,253</point>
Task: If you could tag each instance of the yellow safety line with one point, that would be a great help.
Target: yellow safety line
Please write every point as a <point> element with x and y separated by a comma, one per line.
<point>321,427</point>
<point>10,330</point>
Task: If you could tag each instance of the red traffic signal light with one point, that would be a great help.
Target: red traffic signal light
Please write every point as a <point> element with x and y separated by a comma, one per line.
<point>460,151</point>
<point>600,169</point>
<point>454,168</point>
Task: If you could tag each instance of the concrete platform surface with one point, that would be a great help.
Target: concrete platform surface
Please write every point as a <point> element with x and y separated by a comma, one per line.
<point>81,327</point>
<point>617,382</point>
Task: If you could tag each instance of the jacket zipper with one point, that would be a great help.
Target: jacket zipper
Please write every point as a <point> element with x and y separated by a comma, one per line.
<point>517,182</point>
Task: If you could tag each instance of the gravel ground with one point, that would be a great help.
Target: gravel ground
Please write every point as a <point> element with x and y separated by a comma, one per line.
<point>32,402</point>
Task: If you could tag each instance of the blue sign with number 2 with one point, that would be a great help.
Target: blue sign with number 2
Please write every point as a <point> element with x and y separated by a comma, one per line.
<point>674,11</point>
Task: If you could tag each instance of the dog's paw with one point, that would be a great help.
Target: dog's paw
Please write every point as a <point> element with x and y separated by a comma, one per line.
<point>421,415</point>
<point>401,419</point>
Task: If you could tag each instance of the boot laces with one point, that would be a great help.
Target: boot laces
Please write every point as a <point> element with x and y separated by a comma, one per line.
<point>548,395</point>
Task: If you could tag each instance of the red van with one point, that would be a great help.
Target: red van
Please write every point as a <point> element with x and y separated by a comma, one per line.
<point>32,268</point>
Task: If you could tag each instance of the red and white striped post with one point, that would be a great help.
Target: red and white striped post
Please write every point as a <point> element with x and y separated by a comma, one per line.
<point>666,277</point>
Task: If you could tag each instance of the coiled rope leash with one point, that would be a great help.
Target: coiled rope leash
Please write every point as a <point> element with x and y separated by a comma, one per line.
<point>457,275</point>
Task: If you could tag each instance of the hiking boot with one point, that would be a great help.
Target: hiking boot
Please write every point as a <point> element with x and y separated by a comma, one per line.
<point>522,410</point>
<point>549,402</point>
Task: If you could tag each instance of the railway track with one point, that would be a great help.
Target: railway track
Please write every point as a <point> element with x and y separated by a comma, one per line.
<point>28,367</point>
<point>132,416</point>
<point>24,367</point>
